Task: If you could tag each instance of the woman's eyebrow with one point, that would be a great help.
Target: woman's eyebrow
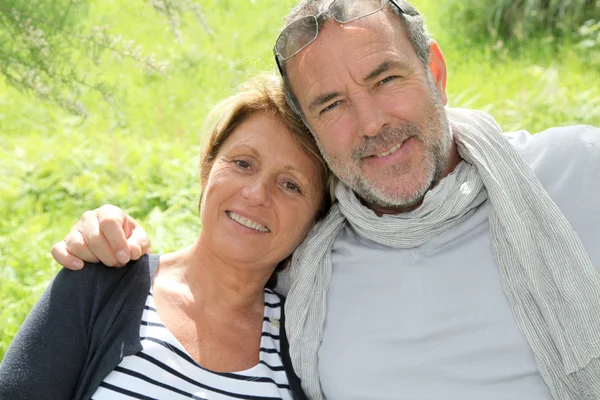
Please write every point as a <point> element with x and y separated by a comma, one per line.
<point>248,147</point>
<point>290,167</point>
<point>287,167</point>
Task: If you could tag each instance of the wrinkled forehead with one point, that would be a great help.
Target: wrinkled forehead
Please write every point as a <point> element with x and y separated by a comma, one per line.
<point>384,23</point>
<point>377,32</point>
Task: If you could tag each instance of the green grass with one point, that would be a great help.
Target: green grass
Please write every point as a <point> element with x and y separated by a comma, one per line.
<point>55,166</point>
<point>519,20</point>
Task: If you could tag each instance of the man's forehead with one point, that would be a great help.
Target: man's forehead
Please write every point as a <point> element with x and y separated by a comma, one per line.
<point>383,27</point>
<point>383,21</point>
<point>353,43</point>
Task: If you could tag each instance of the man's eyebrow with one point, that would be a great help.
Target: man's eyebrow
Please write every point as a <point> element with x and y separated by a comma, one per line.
<point>322,99</point>
<point>380,69</point>
<point>383,67</point>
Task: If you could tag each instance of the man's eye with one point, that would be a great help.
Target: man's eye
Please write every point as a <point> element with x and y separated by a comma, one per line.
<point>388,79</point>
<point>331,106</point>
<point>291,186</point>
<point>242,164</point>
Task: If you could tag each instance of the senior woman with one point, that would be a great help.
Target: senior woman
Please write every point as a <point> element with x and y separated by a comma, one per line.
<point>201,322</point>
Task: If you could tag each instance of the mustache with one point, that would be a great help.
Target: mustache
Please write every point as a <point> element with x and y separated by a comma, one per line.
<point>388,137</point>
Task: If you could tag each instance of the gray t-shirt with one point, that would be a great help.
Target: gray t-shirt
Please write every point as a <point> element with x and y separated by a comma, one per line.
<point>433,322</point>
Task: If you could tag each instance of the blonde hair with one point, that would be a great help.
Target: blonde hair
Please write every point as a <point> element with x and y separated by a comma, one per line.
<point>262,94</point>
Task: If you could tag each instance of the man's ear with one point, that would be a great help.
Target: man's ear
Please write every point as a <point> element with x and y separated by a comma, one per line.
<point>437,66</point>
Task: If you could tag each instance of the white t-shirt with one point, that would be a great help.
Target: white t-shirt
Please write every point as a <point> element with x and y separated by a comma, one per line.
<point>433,323</point>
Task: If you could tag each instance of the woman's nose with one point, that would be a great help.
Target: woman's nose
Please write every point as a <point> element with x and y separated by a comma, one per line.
<point>256,193</point>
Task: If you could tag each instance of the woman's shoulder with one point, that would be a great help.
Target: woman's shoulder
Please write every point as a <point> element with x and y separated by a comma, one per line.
<point>97,276</point>
<point>51,349</point>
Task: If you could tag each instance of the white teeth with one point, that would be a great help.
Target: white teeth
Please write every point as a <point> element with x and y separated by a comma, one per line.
<point>390,151</point>
<point>247,222</point>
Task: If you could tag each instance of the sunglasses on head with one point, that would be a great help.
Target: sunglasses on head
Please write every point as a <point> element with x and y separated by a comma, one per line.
<point>302,32</point>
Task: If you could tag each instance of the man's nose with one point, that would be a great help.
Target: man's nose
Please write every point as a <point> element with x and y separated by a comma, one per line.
<point>257,193</point>
<point>370,118</point>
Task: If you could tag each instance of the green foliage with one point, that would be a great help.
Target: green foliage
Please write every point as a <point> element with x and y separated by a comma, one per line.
<point>589,40</point>
<point>47,49</point>
<point>520,19</point>
<point>55,166</point>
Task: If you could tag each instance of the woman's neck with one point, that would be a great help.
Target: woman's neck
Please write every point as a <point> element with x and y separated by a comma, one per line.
<point>220,286</point>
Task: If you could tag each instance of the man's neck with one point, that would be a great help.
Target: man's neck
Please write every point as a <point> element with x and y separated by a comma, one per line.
<point>453,161</point>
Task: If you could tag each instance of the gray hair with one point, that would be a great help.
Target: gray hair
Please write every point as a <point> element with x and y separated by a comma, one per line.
<point>412,21</point>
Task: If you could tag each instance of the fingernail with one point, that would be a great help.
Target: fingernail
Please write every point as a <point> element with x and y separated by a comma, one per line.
<point>122,256</point>
<point>78,264</point>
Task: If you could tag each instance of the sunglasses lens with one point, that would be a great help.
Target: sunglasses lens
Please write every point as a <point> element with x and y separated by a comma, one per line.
<point>349,10</point>
<point>296,36</point>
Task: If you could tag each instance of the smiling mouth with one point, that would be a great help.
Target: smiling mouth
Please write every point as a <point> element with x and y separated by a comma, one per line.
<point>389,151</point>
<point>248,223</point>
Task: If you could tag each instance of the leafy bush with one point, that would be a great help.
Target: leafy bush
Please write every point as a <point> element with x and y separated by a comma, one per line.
<point>56,165</point>
<point>48,50</point>
<point>519,19</point>
<point>589,42</point>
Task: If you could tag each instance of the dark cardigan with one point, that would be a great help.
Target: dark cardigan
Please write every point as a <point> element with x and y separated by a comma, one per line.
<point>81,328</point>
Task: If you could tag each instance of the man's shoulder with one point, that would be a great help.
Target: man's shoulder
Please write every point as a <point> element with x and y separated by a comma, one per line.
<point>565,144</point>
<point>560,151</point>
<point>565,160</point>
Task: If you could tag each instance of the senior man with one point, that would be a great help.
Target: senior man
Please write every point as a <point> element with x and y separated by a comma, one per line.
<point>458,263</point>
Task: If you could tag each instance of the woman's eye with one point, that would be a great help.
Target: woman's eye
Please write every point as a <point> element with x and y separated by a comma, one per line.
<point>291,186</point>
<point>242,164</point>
<point>331,106</point>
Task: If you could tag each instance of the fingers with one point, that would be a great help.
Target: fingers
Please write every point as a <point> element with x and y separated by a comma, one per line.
<point>139,242</point>
<point>90,227</point>
<point>63,257</point>
<point>76,246</point>
<point>106,235</point>
<point>113,227</point>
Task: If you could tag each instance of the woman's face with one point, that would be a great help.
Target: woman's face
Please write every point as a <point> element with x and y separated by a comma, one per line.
<point>262,194</point>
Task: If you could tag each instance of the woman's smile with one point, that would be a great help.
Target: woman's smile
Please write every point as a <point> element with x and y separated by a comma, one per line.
<point>247,222</point>
<point>260,198</point>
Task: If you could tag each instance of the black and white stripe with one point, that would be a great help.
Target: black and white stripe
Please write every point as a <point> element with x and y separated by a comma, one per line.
<point>164,370</point>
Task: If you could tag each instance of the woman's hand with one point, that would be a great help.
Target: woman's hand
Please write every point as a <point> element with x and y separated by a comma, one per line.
<point>105,235</point>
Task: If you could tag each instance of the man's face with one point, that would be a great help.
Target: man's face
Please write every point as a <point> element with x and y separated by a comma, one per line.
<point>377,113</point>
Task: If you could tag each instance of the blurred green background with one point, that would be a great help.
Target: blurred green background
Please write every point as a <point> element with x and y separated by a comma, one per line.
<point>137,147</point>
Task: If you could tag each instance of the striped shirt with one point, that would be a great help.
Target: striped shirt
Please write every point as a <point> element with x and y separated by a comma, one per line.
<point>164,369</point>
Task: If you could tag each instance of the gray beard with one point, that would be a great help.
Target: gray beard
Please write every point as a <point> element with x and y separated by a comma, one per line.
<point>436,159</point>
<point>435,162</point>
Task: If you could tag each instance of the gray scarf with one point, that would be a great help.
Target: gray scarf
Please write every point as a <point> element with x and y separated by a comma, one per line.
<point>552,286</point>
